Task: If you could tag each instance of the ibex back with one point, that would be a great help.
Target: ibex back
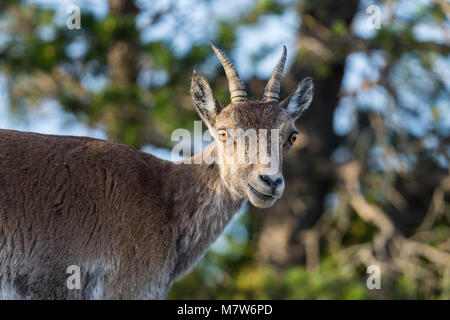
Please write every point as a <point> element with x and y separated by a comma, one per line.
<point>131,222</point>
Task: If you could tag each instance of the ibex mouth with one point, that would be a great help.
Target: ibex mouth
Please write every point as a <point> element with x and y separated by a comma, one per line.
<point>260,195</point>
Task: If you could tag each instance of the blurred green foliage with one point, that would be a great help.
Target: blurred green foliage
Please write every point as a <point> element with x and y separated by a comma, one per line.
<point>137,91</point>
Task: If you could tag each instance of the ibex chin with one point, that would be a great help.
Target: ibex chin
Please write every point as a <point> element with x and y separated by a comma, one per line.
<point>131,222</point>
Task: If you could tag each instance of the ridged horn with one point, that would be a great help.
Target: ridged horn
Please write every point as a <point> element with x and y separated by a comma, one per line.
<point>236,85</point>
<point>272,90</point>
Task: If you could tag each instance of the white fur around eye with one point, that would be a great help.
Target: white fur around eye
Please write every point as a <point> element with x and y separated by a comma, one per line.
<point>222,134</point>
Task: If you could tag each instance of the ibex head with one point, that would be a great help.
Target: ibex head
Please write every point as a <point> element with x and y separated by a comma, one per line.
<point>269,121</point>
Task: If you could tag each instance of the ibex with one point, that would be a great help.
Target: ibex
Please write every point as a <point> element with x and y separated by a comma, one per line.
<point>133,223</point>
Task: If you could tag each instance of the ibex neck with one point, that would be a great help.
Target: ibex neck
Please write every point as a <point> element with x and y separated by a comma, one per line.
<point>201,208</point>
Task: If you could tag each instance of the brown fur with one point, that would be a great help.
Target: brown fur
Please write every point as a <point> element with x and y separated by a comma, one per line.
<point>67,201</point>
<point>133,223</point>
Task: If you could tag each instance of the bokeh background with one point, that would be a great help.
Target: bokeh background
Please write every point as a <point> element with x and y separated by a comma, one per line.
<point>368,182</point>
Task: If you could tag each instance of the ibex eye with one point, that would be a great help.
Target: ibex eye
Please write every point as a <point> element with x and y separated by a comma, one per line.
<point>293,138</point>
<point>223,135</point>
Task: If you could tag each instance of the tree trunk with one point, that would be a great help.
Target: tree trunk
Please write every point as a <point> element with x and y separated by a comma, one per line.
<point>309,171</point>
<point>122,121</point>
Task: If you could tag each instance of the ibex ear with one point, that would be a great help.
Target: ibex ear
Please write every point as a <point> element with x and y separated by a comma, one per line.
<point>205,103</point>
<point>300,99</point>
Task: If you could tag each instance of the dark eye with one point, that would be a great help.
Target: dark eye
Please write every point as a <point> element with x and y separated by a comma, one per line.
<point>222,134</point>
<point>293,138</point>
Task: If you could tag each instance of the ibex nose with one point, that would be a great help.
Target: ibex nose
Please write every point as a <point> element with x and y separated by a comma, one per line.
<point>272,181</point>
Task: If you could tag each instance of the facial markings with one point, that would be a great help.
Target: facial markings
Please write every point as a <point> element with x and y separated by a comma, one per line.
<point>236,120</point>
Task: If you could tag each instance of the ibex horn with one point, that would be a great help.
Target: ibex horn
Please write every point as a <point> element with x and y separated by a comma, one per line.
<point>272,90</point>
<point>237,88</point>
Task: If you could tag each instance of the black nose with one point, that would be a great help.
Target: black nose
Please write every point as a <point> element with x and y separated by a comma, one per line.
<point>270,182</point>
